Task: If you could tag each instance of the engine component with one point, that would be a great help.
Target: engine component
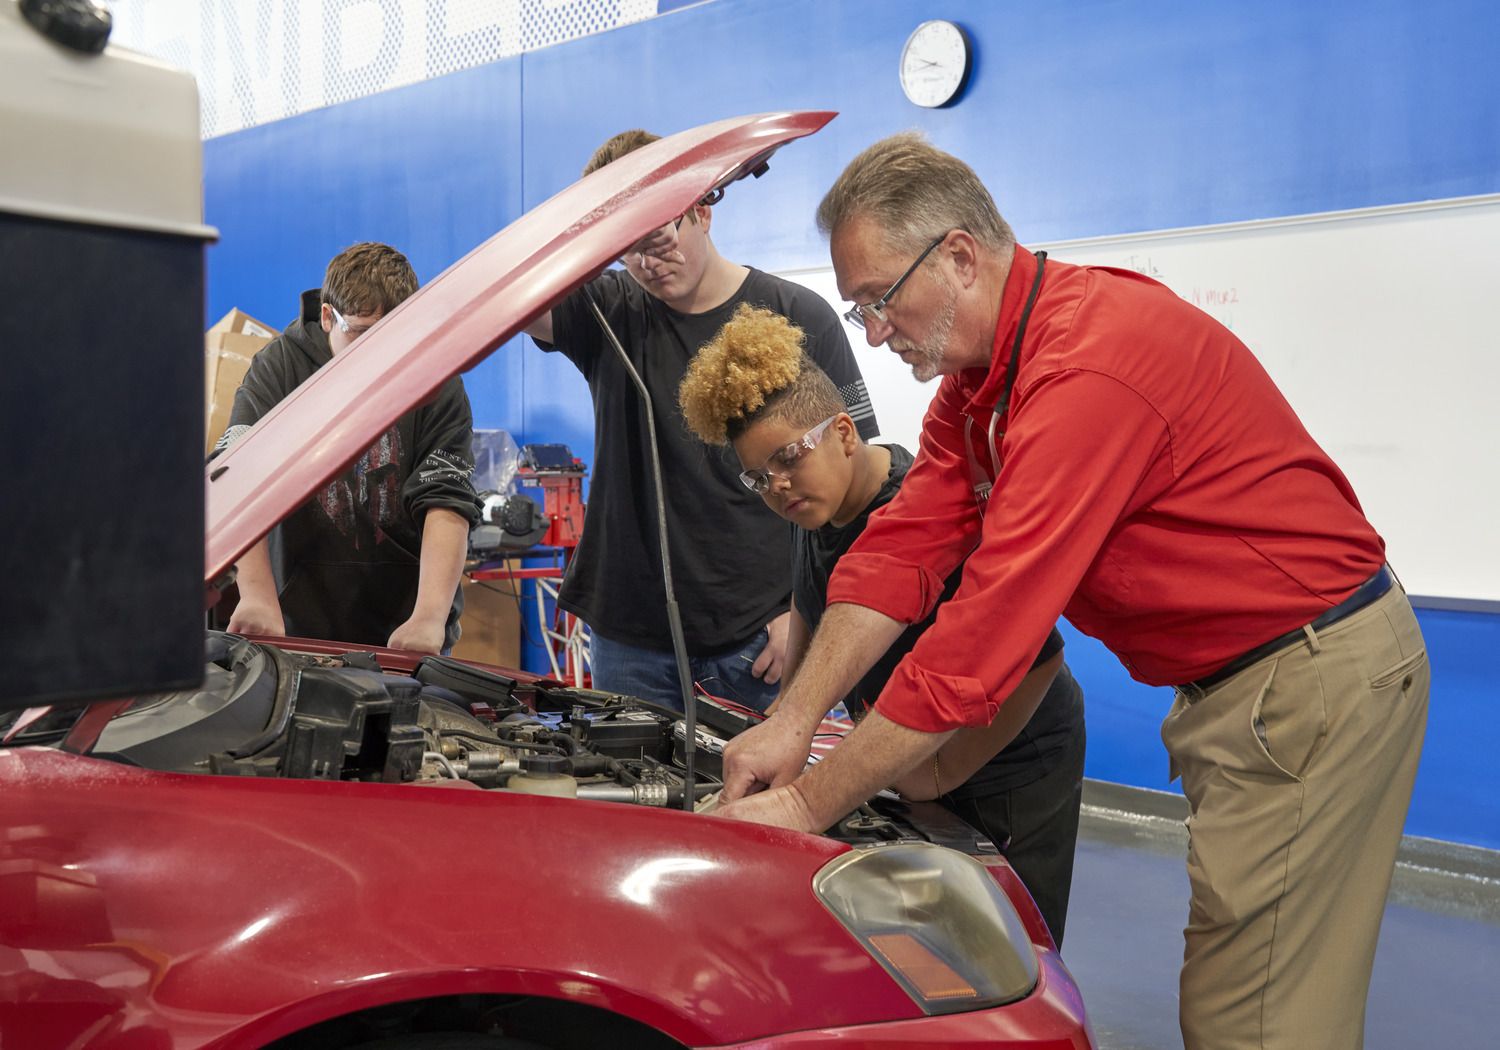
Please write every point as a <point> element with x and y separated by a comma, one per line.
<point>649,794</point>
<point>267,711</point>
<point>471,683</point>
<point>356,726</point>
<point>710,756</point>
<point>238,704</point>
<point>544,775</point>
<point>619,733</point>
<point>263,711</point>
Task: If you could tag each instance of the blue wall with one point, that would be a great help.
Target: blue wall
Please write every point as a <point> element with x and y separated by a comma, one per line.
<point>1088,118</point>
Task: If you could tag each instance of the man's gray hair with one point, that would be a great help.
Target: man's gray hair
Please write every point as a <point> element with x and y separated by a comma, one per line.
<point>914,192</point>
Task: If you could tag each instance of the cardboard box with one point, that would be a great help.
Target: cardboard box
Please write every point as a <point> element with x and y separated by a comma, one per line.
<point>491,623</point>
<point>228,347</point>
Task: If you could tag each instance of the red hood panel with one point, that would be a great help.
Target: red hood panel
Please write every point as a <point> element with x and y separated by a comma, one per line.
<point>471,308</point>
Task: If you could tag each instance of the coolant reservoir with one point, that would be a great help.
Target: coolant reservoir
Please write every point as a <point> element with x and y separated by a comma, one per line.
<point>544,775</point>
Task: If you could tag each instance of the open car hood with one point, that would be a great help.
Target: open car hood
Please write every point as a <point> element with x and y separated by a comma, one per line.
<point>457,319</point>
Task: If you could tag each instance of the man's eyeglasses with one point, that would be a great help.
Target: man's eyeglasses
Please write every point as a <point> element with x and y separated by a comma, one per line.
<point>785,459</point>
<point>860,315</point>
<point>355,330</point>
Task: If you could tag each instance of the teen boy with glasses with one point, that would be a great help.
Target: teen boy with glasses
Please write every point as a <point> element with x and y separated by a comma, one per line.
<point>1018,779</point>
<point>375,557</point>
<point>673,295</point>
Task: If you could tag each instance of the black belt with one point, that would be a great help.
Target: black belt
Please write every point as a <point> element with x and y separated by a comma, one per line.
<point>1363,595</point>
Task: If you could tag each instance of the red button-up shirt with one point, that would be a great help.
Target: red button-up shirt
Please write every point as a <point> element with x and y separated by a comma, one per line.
<point>1155,488</point>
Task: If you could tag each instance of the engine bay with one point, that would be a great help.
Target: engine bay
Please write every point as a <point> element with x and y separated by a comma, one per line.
<point>268,711</point>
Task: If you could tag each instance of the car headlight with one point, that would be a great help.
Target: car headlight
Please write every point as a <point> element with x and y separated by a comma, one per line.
<point>936,921</point>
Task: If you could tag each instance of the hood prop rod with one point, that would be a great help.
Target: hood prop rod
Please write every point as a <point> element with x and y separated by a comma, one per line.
<point>674,617</point>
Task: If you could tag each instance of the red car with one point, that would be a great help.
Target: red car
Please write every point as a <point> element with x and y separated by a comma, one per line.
<point>326,848</point>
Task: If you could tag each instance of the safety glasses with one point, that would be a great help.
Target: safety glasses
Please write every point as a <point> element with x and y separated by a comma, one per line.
<point>354,330</point>
<point>784,459</point>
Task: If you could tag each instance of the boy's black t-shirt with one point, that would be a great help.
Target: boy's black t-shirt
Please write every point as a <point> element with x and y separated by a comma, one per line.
<point>730,552</point>
<point>1035,750</point>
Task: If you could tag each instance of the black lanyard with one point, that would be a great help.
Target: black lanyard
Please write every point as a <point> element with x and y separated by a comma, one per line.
<point>982,481</point>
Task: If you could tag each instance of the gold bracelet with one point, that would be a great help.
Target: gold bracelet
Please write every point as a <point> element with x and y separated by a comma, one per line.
<point>937,782</point>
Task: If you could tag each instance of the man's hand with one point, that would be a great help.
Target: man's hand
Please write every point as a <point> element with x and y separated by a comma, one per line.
<point>659,244</point>
<point>772,658</point>
<point>782,807</point>
<point>259,608</point>
<point>420,635</point>
<point>849,641</point>
<point>764,756</point>
<point>257,617</point>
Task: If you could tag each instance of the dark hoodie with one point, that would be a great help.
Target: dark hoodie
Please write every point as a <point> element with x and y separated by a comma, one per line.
<point>347,561</point>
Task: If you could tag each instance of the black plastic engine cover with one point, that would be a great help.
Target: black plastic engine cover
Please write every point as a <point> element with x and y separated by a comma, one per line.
<point>237,709</point>
<point>472,683</point>
<point>350,724</point>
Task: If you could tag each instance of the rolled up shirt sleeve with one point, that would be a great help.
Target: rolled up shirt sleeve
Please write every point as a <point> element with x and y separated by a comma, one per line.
<point>442,475</point>
<point>1084,451</point>
<point>890,585</point>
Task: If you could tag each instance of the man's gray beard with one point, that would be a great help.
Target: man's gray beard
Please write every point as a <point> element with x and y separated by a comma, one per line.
<point>930,351</point>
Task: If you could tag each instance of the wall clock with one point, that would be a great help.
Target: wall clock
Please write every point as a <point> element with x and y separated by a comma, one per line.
<point>935,63</point>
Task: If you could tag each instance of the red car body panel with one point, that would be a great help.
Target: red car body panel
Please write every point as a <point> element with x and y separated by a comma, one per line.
<point>457,319</point>
<point>229,911</point>
<point>1051,1019</point>
<point>232,899</point>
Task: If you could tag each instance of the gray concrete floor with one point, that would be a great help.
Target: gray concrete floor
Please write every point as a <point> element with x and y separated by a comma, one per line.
<point>1437,969</point>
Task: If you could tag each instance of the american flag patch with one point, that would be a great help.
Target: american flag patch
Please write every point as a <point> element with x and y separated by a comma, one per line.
<point>857,403</point>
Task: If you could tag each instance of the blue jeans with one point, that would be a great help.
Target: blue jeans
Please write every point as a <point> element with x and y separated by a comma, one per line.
<point>652,675</point>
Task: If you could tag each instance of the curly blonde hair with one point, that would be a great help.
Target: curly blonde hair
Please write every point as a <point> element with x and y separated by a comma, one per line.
<point>754,369</point>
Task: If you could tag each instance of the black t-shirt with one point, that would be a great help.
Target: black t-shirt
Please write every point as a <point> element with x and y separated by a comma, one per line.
<point>1039,745</point>
<point>731,554</point>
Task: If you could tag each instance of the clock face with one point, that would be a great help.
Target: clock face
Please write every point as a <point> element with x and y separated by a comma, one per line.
<point>934,63</point>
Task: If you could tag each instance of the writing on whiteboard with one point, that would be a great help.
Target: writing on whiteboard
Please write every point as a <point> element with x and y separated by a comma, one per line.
<point>1218,303</point>
<point>1142,264</point>
<point>1208,297</point>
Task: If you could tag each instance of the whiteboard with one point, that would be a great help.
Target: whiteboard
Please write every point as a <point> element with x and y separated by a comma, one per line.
<point>1381,327</point>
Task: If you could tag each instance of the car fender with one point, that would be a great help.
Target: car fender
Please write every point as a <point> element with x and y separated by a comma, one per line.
<point>218,902</point>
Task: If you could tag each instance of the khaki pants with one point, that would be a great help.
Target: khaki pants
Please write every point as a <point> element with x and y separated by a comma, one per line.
<point>1298,772</point>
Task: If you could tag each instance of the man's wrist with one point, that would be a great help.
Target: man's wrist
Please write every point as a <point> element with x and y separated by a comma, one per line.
<point>795,710</point>
<point>260,598</point>
<point>819,810</point>
<point>811,822</point>
<point>430,612</point>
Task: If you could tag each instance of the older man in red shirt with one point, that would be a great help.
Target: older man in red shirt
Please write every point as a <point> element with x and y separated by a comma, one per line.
<point>1102,450</point>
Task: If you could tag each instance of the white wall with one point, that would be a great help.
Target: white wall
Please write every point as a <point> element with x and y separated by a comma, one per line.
<point>261,60</point>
